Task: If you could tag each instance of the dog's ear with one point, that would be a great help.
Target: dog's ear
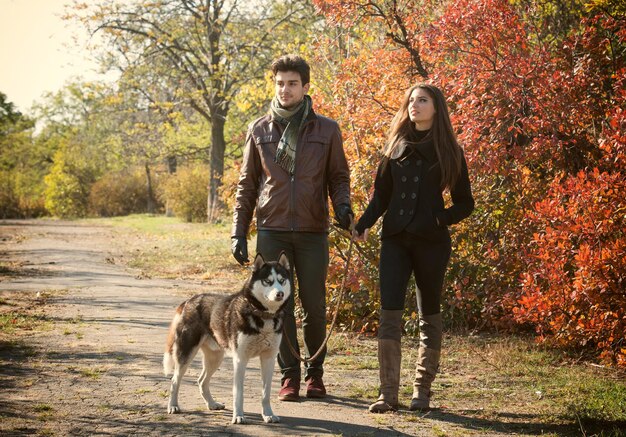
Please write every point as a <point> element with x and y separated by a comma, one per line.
<point>283,260</point>
<point>258,262</point>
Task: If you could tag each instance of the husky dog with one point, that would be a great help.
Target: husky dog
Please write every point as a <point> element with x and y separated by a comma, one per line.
<point>245,325</point>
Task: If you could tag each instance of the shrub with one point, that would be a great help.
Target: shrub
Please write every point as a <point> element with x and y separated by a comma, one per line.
<point>20,198</point>
<point>66,197</point>
<point>9,203</point>
<point>69,181</point>
<point>30,194</point>
<point>186,193</point>
<point>119,193</point>
<point>573,289</point>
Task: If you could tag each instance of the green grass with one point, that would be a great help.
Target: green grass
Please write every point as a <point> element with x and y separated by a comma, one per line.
<point>143,391</point>
<point>512,374</point>
<point>92,373</point>
<point>42,408</point>
<point>345,343</point>
<point>14,321</point>
<point>168,248</point>
<point>594,398</point>
<point>362,392</point>
<point>105,408</point>
<point>44,412</point>
<point>144,222</point>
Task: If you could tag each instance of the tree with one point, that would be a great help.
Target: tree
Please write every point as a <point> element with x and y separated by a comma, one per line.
<point>401,21</point>
<point>8,113</point>
<point>22,164</point>
<point>211,47</point>
<point>76,132</point>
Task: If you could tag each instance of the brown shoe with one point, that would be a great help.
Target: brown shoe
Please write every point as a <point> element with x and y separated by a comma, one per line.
<point>290,390</point>
<point>315,387</point>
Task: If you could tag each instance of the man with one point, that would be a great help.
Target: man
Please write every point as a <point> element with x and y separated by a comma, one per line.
<point>293,161</point>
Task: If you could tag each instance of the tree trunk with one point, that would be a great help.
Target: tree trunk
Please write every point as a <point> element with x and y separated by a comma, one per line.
<point>171,169</point>
<point>150,204</point>
<point>218,146</point>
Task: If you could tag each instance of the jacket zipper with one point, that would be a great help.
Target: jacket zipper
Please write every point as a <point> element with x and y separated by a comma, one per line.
<point>292,197</point>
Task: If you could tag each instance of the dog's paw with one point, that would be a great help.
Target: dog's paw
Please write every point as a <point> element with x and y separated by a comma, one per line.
<point>216,406</point>
<point>173,409</point>
<point>271,419</point>
<point>238,420</point>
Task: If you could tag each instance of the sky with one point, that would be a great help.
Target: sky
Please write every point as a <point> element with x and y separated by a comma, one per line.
<point>37,52</point>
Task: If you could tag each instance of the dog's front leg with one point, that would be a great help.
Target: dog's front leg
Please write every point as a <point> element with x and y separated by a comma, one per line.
<point>239,370</point>
<point>267,370</point>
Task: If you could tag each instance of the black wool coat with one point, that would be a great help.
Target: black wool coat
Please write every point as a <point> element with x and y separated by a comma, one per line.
<point>408,191</point>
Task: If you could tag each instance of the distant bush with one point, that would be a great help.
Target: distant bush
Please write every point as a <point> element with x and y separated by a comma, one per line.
<point>30,194</point>
<point>66,197</point>
<point>186,193</point>
<point>67,186</point>
<point>119,193</point>
<point>19,197</point>
<point>9,203</point>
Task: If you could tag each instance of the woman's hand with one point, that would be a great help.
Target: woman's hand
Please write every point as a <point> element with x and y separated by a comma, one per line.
<point>362,237</point>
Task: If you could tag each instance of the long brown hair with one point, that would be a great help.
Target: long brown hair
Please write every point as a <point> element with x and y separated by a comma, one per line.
<point>446,146</point>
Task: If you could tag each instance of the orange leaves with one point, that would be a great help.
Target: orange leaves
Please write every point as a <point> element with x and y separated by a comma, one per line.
<point>573,289</point>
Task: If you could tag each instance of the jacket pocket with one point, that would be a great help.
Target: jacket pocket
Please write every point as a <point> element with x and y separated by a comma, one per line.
<point>423,221</point>
<point>319,139</point>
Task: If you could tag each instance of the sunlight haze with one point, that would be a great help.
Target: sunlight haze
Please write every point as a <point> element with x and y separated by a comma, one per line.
<point>37,52</point>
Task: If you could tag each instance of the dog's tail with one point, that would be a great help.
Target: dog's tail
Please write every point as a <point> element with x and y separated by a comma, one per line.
<point>168,355</point>
<point>168,363</point>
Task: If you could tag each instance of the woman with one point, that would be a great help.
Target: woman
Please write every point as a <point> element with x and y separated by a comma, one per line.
<point>421,159</point>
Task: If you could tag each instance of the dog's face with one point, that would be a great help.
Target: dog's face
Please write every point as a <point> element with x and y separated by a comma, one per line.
<point>270,282</point>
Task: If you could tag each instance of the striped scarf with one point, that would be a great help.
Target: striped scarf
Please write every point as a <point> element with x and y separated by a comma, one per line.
<point>294,120</point>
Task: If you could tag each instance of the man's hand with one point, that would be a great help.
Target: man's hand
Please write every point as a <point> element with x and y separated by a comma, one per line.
<point>344,216</point>
<point>239,248</point>
<point>362,237</point>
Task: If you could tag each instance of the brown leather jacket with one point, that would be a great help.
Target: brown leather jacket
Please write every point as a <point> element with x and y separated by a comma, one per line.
<point>286,202</point>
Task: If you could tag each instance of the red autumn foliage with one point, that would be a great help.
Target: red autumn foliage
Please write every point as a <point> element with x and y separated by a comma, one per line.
<point>542,120</point>
<point>573,288</point>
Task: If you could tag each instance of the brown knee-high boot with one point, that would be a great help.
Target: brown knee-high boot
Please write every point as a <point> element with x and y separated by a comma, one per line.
<point>389,359</point>
<point>427,361</point>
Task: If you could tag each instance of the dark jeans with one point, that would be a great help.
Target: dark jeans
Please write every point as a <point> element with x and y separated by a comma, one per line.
<point>406,253</point>
<point>308,255</point>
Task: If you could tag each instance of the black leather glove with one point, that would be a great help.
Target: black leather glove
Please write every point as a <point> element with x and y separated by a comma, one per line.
<point>239,248</point>
<point>344,216</point>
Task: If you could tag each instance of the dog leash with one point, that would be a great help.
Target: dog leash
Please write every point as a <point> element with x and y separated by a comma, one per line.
<point>332,325</point>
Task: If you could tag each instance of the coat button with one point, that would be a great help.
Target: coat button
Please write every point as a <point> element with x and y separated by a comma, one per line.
<point>415,179</point>
<point>413,195</point>
<point>401,212</point>
<point>402,195</point>
<point>403,178</point>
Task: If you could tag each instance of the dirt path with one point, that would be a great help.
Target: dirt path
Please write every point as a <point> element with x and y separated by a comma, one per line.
<point>96,369</point>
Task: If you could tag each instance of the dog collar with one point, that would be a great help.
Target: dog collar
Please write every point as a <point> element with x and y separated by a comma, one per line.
<point>264,314</point>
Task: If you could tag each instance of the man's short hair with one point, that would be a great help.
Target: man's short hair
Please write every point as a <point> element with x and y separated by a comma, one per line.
<point>293,63</point>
